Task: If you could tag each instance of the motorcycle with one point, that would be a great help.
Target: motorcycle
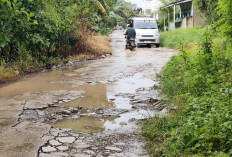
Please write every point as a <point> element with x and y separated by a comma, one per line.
<point>130,44</point>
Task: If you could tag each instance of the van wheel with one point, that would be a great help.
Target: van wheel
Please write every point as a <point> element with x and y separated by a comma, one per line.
<point>157,45</point>
<point>149,46</point>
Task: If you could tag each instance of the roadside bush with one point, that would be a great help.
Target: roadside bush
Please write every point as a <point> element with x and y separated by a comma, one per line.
<point>224,23</point>
<point>38,33</point>
<point>199,82</point>
<point>46,28</point>
<point>18,20</point>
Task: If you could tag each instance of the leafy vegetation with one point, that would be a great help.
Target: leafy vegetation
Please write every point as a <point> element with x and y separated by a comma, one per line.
<point>199,82</point>
<point>225,23</point>
<point>39,32</point>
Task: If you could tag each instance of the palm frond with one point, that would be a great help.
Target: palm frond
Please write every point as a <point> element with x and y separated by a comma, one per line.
<point>100,6</point>
<point>107,6</point>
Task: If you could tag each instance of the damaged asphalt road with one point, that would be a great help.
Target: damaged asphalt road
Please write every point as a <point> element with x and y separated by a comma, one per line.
<point>87,110</point>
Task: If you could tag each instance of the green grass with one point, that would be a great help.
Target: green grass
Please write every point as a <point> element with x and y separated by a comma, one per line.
<point>181,37</point>
<point>199,83</point>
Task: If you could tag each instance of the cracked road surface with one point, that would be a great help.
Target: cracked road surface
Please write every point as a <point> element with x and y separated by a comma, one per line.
<point>91,109</point>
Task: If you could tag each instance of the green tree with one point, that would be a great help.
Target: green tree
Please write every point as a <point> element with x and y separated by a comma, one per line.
<point>122,10</point>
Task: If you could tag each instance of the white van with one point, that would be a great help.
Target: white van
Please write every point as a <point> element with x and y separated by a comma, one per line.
<point>147,32</point>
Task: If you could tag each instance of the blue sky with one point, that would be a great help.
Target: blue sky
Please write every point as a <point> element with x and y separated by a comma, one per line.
<point>138,2</point>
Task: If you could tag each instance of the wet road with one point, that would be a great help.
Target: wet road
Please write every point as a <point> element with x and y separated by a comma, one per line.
<point>91,109</point>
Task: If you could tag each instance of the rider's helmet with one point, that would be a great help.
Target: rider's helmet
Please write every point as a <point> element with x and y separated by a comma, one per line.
<point>128,25</point>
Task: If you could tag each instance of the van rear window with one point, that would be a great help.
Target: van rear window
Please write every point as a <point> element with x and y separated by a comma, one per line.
<point>143,24</point>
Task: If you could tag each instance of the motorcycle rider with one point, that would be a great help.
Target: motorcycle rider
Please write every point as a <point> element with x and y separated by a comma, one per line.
<point>130,32</point>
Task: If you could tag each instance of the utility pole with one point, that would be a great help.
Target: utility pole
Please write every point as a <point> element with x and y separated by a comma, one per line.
<point>174,16</point>
<point>168,18</point>
<point>164,19</point>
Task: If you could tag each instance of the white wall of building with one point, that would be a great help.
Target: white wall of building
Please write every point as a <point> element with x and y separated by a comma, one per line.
<point>151,7</point>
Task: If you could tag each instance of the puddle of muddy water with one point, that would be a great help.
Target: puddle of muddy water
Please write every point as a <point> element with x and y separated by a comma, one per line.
<point>84,124</point>
<point>95,97</point>
<point>32,85</point>
<point>106,96</point>
<point>39,83</point>
<point>100,124</point>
